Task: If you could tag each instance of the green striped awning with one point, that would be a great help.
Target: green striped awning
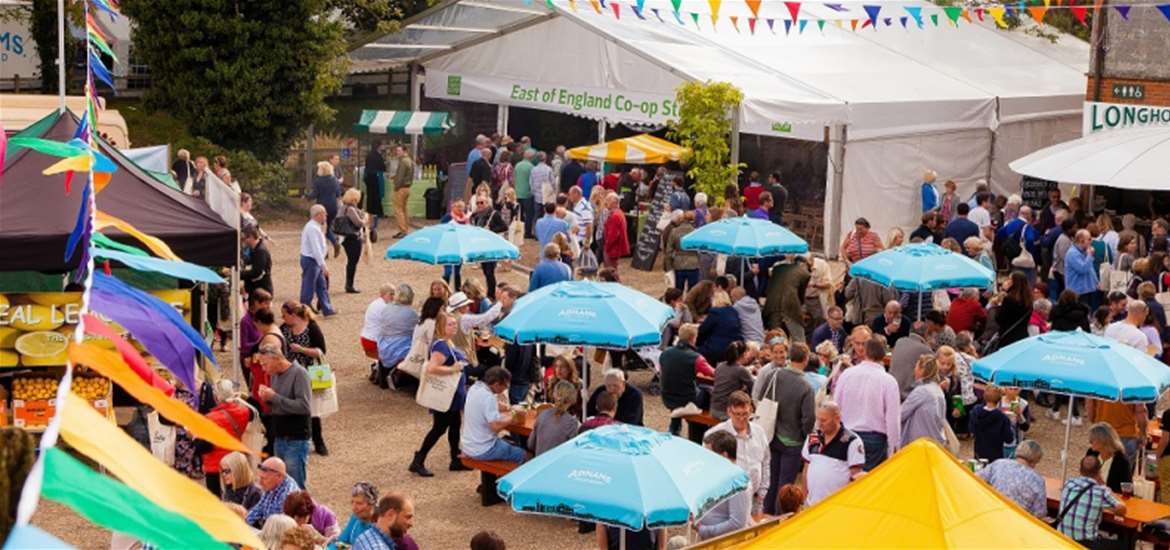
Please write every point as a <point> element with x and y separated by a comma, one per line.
<point>403,122</point>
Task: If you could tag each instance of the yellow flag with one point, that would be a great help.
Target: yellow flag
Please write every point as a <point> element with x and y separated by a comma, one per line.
<point>155,244</point>
<point>79,163</point>
<point>94,436</point>
<point>714,10</point>
<point>996,13</point>
<point>111,365</point>
<point>596,6</point>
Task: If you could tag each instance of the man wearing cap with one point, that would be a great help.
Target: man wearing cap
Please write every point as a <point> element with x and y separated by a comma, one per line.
<point>287,396</point>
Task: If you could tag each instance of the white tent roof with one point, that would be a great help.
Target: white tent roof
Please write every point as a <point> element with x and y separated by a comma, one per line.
<point>885,82</point>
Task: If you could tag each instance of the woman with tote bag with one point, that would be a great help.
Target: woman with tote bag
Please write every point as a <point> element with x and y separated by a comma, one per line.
<point>443,389</point>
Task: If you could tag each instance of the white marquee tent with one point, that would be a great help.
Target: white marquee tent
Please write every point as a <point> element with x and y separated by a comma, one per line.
<point>963,100</point>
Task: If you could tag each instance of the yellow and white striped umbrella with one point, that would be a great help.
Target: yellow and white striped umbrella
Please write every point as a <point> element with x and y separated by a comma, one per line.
<point>640,149</point>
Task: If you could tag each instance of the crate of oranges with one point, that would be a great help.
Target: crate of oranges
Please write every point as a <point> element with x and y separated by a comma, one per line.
<point>34,399</point>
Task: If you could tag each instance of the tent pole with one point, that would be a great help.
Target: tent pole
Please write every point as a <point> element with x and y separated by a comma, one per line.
<point>834,188</point>
<point>601,131</point>
<point>735,116</point>
<point>415,105</point>
<point>237,372</point>
<point>1072,403</point>
<point>61,56</point>
<point>501,121</point>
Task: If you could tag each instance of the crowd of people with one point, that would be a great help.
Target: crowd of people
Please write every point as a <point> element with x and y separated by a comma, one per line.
<point>852,371</point>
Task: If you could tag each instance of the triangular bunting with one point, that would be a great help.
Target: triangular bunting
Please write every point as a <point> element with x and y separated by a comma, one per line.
<point>753,5</point>
<point>821,25</point>
<point>695,18</point>
<point>903,20</point>
<point>550,5</point>
<point>1079,13</point>
<point>966,14</point>
<point>771,25</point>
<point>714,4</point>
<point>752,24</point>
<point>865,24</point>
<point>872,11</point>
<point>1047,3</point>
<point>658,15</point>
<point>953,13</point>
<point>787,26</point>
<point>573,6</point>
<point>888,21</point>
<point>1165,9</point>
<point>836,7</point>
<point>793,10</point>
<point>596,6</point>
<point>639,5</point>
<point>602,3</point>
<point>934,19</point>
<point>916,13</point>
<point>997,13</point>
<point>678,17</point>
<point>979,14</point>
<point>1037,13</point>
<point>803,24</point>
<point>853,24</point>
<point>1009,10</point>
<point>617,10</point>
<point>734,23</point>
<point>677,4</point>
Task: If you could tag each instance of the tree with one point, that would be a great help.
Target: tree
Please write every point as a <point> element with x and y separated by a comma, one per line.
<point>704,127</point>
<point>250,74</point>
<point>42,19</point>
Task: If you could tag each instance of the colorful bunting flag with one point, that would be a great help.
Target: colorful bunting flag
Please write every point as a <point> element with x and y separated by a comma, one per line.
<point>752,24</point>
<point>714,4</point>
<point>997,13</point>
<point>92,435</point>
<point>966,14</point>
<point>108,503</point>
<point>639,5</point>
<point>836,7</point>
<point>81,225</point>
<point>1124,11</point>
<point>99,71</point>
<point>602,3</point>
<point>771,25</point>
<point>734,23</point>
<point>934,19</point>
<point>658,15</point>
<point>1165,9</point>
<point>903,20</point>
<point>695,18</point>
<point>953,13</point>
<point>889,21</point>
<point>617,10</point>
<point>979,13</point>
<point>793,10</point>
<point>573,6</point>
<point>596,6</point>
<point>916,13</point>
<point>803,24</point>
<point>787,26</point>
<point>1078,12</point>
<point>821,25</point>
<point>677,4</point>
<point>678,17</point>
<point>638,12</point>
<point>853,24</point>
<point>754,6</point>
<point>155,244</point>
<point>130,355</point>
<point>872,10</point>
<point>1038,12</point>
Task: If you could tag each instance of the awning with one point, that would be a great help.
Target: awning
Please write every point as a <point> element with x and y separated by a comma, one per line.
<point>403,122</point>
<point>640,149</point>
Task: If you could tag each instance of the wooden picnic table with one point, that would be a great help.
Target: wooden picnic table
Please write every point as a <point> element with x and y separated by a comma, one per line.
<point>1154,431</point>
<point>524,428</point>
<point>1138,511</point>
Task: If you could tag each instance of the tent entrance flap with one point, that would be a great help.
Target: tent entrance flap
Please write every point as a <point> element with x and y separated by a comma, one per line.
<point>403,122</point>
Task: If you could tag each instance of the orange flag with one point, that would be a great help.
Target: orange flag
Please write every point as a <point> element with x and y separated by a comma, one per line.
<point>156,245</point>
<point>754,5</point>
<point>1038,12</point>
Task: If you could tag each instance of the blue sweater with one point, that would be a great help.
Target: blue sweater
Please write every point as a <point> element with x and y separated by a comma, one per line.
<point>548,272</point>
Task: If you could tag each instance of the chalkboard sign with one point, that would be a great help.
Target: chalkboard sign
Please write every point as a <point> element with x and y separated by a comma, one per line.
<point>456,183</point>
<point>650,239</point>
<point>1034,191</point>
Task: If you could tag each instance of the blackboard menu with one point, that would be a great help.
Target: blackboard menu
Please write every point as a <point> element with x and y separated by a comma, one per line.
<point>456,182</point>
<point>650,239</point>
<point>1034,191</point>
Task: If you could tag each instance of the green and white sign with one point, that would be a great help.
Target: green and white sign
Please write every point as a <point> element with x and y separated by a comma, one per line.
<point>1111,116</point>
<point>634,107</point>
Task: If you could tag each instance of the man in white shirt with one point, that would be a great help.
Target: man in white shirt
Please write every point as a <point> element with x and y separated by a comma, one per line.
<point>751,451</point>
<point>733,513</point>
<point>482,419</point>
<point>833,455</point>
<point>583,209</point>
<point>541,180</point>
<point>981,214</point>
<point>1128,331</point>
<point>314,272</point>
<point>370,328</point>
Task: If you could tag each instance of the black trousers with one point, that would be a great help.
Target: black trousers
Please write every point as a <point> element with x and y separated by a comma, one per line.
<point>353,252</point>
<point>489,276</point>
<point>450,422</point>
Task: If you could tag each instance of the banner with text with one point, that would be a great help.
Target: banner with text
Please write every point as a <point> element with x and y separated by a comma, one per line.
<point>596,103</point>
<point>1099,116</point>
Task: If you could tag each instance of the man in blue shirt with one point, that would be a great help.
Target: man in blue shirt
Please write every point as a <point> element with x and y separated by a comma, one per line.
<point>483,418</point>
<point>1079,275</point>
<point>550,270</point>
<point>549,225</point>
<point>960,228</point>
<point>765,206</point>
<point>276,484</point>
<point>395,513</point>
<point>481,141</point>
<point>1017,229</point>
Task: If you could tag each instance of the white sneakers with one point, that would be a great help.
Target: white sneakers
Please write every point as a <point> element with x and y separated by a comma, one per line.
<point>1076,420</point>
<point>686,410</point>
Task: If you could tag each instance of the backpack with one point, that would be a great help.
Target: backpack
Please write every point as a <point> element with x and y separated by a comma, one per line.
<point>1011,247</point>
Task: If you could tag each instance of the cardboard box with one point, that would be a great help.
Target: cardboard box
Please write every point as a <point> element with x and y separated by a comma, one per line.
<point>33,413</point>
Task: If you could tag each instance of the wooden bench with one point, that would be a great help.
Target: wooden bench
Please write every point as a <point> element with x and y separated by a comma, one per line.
<point>697,425</point>
<point>489,472</point>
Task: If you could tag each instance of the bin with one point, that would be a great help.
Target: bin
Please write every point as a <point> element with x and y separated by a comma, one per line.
<point>434,200</point>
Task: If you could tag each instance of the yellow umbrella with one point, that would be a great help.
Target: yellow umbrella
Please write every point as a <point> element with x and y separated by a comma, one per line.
<point>919,498</point>
<point>640,149</point>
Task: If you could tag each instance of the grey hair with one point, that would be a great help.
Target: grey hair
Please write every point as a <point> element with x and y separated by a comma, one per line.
<point>1042,305</point>
<point>700,200</point>
<point>615,374</point>
<point>969,293</point>
<point>1030,451</point>
<point>316,209</point>
<point>830,405</point>
<point>405,295</point>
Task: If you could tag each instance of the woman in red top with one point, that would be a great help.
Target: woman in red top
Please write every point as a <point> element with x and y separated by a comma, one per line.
<point>230,413</point>
<point>860,243</point>
<point>617,240</point>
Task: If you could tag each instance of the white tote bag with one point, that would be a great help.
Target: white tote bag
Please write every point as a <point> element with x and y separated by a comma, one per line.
<point>162,439</point>
<point>323,403</point>
<point>420,346</point>
<point>436,391</point>
<point>767,409</point>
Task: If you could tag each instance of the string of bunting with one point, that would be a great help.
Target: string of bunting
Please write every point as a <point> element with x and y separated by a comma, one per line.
<point>870,15</point>
<point>146,498</point>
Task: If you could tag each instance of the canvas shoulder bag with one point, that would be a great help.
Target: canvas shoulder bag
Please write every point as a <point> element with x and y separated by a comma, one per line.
<point>768,408</point>
<point>435,392</point>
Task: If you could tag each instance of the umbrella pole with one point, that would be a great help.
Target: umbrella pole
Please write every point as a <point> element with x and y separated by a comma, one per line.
<point>622,540</point>
<point>919,306</point>
<point>1067,432</point>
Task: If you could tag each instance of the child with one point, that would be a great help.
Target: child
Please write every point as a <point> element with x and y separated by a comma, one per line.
<point>1016,409</point>
<point>990,426</point>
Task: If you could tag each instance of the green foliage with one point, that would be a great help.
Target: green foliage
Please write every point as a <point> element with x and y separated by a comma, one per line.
<point>249,75</point>
<point>704,126</point>
<point>42,18</point>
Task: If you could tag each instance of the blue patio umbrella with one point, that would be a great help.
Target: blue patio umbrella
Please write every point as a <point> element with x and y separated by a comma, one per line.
<point>452,244</point>
<point>625,476</point>
<point>743,236</point>
<point>586,313</point>
<point>1076,364</point>
<point>922,268</point>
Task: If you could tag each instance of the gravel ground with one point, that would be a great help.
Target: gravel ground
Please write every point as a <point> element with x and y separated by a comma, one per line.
<point>376,431</point>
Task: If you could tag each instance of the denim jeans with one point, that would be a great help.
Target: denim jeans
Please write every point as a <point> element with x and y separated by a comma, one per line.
<point>784,468</point>
<point>313,284</point>
<point>295,454</point>
<point>876,448</point>
<point>502,450</point>
<point>453,274</point>
<point>517,393</point>
<point>686,278</point>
